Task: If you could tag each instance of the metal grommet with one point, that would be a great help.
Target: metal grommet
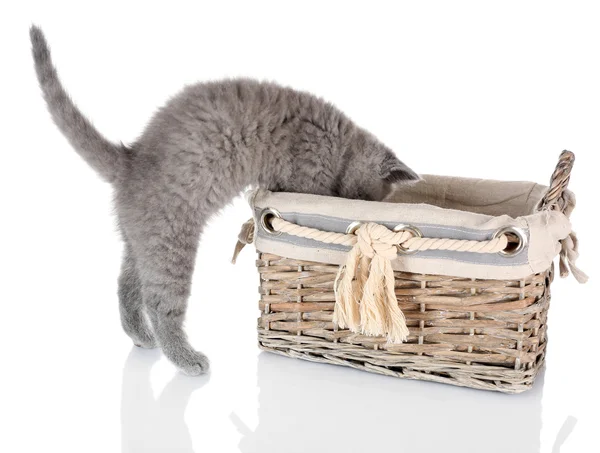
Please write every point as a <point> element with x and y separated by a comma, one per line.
<point>265,215</point>
<point>353,227</point>
<point>412,229</point>
<point>513,250</point>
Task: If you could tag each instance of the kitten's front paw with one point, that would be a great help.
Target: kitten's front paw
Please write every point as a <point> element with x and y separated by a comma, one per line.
<point>192,363</point>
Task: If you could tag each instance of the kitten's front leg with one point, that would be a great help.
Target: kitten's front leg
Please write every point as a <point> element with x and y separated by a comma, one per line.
<point>166,259</point>
<point>131,305</point>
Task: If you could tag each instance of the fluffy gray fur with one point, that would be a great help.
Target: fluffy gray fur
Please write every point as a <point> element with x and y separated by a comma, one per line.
<point>198,152</point>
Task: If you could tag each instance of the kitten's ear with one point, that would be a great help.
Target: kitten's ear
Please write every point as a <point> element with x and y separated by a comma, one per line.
<point>393,170</point>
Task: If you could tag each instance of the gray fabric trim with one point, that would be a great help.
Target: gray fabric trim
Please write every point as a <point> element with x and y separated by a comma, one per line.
<point>339,225</point>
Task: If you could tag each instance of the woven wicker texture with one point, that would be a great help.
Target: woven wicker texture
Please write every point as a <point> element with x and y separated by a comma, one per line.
<point>485,334</point>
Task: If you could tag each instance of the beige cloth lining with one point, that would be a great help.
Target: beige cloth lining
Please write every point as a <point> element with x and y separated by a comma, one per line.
<point>460,203</point>
<point>481,196</point>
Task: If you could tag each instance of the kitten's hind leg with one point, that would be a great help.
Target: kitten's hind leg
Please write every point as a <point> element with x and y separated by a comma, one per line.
<point>166,262</point>
<point>131,304</point>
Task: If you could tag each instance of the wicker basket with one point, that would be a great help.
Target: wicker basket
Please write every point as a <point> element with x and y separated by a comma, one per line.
<point>473,332</point>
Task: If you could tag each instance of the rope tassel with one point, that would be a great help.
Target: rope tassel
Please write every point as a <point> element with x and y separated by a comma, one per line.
<point>365,296</point>
<point>568,256</point>
<point>346,313</point>
<point>245,237</point>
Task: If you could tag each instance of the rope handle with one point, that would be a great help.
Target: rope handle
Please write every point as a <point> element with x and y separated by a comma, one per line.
<point>554,198</point>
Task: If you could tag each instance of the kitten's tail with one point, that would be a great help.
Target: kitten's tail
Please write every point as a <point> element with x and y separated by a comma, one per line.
<point>103,156</point>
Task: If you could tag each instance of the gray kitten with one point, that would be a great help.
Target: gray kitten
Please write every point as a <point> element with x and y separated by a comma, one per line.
<point>199,151</point>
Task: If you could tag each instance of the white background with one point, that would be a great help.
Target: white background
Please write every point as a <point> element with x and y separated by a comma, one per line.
<point>481,89</point>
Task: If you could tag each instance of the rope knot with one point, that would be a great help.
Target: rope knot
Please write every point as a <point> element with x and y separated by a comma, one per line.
<point>374,239</point>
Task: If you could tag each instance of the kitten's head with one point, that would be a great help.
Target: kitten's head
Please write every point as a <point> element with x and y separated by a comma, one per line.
<point>370,170</point>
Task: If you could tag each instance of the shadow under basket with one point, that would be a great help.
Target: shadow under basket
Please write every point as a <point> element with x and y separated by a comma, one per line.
<point>461,269</point>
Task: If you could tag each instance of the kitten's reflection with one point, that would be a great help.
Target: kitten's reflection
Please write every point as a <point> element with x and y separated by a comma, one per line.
<point>313,407</point>
<point>154,424</point>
